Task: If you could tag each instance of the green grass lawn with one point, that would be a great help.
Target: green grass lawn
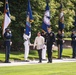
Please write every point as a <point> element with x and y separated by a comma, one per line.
<point>41,69</point>
<point>19,55</point>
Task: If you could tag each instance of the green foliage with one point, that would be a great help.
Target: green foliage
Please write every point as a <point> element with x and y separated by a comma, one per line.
<point>67,35</point>
<point>18,10</point>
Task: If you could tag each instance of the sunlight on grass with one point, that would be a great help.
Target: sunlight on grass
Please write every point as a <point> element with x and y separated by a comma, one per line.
<point>40,69</point>
<point>18,55</point>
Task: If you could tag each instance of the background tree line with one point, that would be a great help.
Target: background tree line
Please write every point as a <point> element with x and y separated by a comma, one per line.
<point>18,10</point>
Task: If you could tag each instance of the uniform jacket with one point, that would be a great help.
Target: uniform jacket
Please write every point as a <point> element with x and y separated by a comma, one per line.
<point>50,38</point>
<point>7,37</point>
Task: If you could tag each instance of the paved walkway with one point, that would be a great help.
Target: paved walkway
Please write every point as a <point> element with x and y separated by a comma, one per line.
<point>17,63</point>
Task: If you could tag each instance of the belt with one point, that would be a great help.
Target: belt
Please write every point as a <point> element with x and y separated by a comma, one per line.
<point>25,40</point>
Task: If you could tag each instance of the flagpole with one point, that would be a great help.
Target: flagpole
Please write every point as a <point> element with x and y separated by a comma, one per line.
<point>3,18</point>
<point>47,1</point>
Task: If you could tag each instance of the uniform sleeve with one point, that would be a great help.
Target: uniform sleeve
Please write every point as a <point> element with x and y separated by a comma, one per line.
<point>29,35</point>
<point>54,37</point>
<point>35,42</point>
<point>7,35</point>
<point>25,37</point>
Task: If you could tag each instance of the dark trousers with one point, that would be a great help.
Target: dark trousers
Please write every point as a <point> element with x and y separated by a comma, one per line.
<point>7,53</point>
<point>60,49</point>
<point>40,55</point>
<point>49,53</point>
<point>74,51</point>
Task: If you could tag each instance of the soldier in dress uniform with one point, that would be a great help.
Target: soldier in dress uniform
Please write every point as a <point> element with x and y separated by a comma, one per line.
<point>43,33</point>
<point>7,43</point>
<point>60,34</point>
<point>73,43</point>
<point>50,39</point>
<point>26,45</point>
<point>73,37</point>
<point>60,43</point>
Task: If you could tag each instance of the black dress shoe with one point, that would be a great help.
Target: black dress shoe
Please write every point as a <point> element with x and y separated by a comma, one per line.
<point>49,62</point>
<point>40,62</point>
<point>7,62</point>
<point>73,57</point>
<point>26,60</point>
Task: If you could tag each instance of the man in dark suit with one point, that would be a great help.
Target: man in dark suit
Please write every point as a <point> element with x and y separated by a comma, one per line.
<point>7,43</point>
<point>73,43</point>
<point>50,40</point>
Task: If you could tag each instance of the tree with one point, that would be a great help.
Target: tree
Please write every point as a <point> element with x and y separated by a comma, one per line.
<point>18,10</point>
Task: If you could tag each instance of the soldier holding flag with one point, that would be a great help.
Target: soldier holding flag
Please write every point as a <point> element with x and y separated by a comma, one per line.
<point>26,45</point>
<point>7,44</point>
<point>50,37</point>
<point>27,32</point>
<point>60,34</point>
<point>6,32</point>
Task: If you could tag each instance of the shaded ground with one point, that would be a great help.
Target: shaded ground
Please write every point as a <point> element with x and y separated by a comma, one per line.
<point>17,63</point>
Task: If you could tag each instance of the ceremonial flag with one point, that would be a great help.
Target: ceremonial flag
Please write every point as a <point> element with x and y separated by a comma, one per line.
<point>61,18</point>
<point>7,19</point>
<point>29,19</point>
<point>46,19</point>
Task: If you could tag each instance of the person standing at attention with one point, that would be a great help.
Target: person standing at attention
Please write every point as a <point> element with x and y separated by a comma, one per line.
<point>26,45</point>
<point>60,42</point>
<point>7,43</point>
<point>50,39</point>
<point>38,43</point>
<point>73,43</point>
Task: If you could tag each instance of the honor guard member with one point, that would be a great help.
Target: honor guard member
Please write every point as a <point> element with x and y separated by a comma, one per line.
<point>7,43</point>
<point>73,43</point>
<point>44,46</point>
<point>60,42</point>
<point>26,45</point>
<point>50,38</point>
<point>38,43</point>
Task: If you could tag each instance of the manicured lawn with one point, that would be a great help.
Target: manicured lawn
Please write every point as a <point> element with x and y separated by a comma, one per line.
<point>19,55</point>
<point>41,69</point>
<point>67,38</point>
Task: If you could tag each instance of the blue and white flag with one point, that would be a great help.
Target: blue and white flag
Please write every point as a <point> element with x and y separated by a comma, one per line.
<point>61,18</point>
<point>29,19</point>
<point>46,20</point>
<point>7,19</point>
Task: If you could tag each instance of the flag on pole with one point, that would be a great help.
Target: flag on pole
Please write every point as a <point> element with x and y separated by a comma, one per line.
<point>29,19</point>
<point>7,19</point>
<point>46,19</point>
<point>61,18</point>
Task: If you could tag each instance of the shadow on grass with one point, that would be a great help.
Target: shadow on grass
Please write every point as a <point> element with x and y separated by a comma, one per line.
<point>1,61</point>
<point>65,56</point>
